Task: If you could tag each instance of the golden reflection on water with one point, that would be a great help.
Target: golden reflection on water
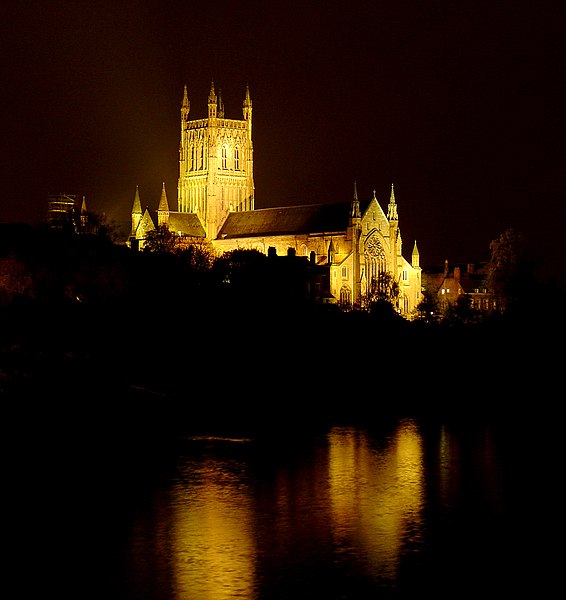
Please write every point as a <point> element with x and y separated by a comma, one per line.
<point>376,495</point>
<point>353,498</point>
<point>213,549</point>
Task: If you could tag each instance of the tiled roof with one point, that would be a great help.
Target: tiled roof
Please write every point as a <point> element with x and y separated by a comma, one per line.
<point>187,223</point>
<point>304,219</point>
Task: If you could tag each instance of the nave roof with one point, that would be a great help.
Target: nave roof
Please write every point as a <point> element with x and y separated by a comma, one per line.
<point>303,219</point>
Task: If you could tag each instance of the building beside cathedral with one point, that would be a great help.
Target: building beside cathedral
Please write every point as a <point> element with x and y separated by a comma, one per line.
<point>66,212</point>
<point>355,240</point>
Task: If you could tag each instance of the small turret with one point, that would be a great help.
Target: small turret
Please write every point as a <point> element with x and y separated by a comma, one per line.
<point>331,252</point>
<point>415,257</point>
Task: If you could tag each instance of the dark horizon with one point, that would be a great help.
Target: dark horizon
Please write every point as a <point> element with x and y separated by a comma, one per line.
<point>460,107</point>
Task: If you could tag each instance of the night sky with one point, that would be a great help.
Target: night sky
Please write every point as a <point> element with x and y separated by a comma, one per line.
<point>459,104</point>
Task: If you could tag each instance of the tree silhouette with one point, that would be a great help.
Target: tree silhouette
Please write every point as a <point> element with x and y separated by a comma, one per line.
<point>161,240</point>
<point>428,310</point>
<point>382,288</point>
<point>512,272</point>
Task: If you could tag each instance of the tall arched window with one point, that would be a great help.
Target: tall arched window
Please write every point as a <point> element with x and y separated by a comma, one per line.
<point>237,159</point>
<point>345,296</point>
<point>376,262</point>
<point>224,158</point>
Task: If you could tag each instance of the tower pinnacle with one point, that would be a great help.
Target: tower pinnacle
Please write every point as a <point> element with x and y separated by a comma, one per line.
<point>392,209</point>
<point>186,105</point>
<point>355,204</point>
<point>212,102</point>
<point>247,104</point>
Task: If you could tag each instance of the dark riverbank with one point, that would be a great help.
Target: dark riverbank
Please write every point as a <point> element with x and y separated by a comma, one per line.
<point>261,369</point>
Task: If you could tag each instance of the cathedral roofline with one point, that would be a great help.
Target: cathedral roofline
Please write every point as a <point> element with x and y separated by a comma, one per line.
<point>312,219</point>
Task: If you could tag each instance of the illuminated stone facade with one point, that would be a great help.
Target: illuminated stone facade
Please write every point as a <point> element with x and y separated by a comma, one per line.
<point>356,240</point>
<point>215,163</point>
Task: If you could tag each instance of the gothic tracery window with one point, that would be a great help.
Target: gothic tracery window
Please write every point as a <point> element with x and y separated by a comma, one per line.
<point>376,262</point>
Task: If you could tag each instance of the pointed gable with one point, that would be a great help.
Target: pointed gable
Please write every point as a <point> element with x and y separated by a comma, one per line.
<point>146,224</point>
<point>373,217</point>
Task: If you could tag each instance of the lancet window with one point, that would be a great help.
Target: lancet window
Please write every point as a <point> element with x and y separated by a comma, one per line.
<point>345,295</point>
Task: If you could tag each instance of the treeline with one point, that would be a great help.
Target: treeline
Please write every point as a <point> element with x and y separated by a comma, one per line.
<point>84,311</point>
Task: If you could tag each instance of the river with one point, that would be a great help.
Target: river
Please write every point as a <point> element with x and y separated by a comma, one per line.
<point>391,507</point>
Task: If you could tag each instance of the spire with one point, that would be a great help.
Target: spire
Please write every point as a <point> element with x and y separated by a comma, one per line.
<point>136,208</point>
<point>163,204</point>
<point>136,213</point>
<point>392,210</point>
<point>163,209</point>
<point>355,204</point>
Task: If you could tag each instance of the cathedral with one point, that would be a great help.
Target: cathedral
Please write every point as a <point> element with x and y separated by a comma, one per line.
<point>355,240</point>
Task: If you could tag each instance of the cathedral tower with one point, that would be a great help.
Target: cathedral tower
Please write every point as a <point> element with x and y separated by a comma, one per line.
<point>215,163</point>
